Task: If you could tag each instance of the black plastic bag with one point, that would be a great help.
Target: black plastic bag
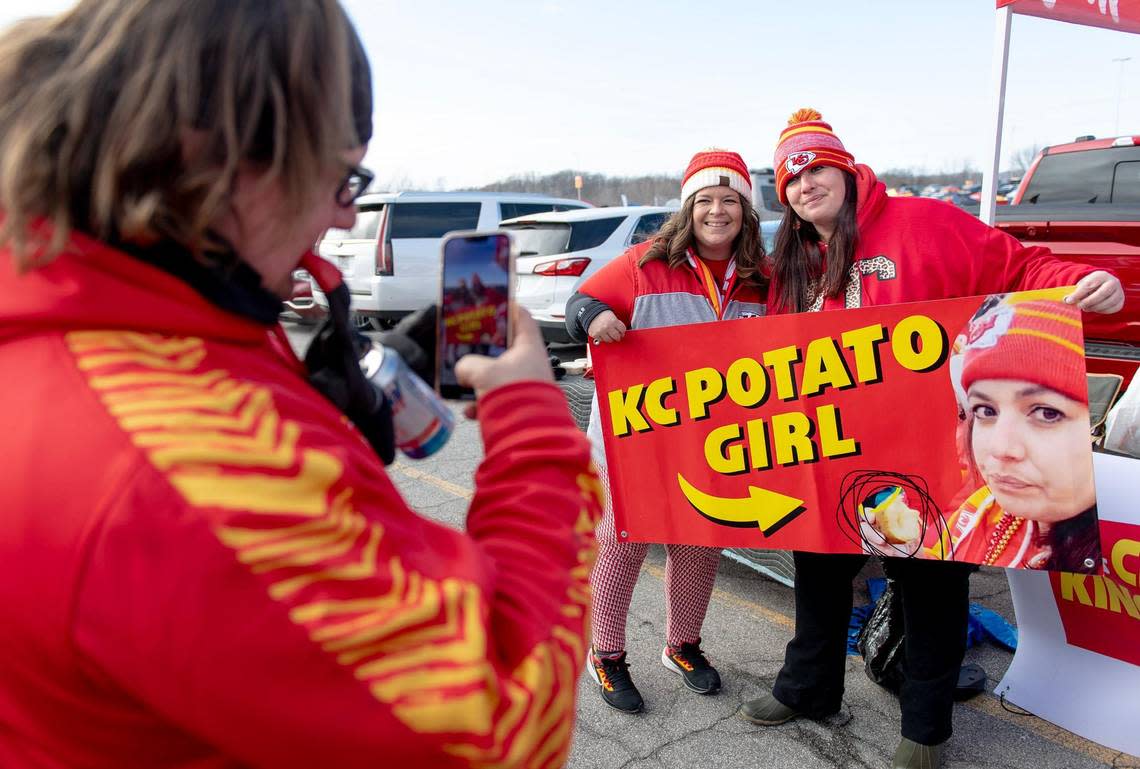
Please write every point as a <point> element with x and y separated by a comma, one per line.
<point>881,642</point>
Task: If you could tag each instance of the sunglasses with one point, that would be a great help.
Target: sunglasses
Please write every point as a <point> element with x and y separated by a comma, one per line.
<point>353,185</point>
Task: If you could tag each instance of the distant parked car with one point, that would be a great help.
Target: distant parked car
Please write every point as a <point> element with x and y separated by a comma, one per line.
<point>390,256</point>
<point>558,251</point>
<point>768,235</point>
<point>1008,189</point>
<point>301,306</point>
<point>764,195</point>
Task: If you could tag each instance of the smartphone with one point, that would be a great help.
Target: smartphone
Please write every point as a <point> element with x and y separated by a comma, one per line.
<point>476,293</point>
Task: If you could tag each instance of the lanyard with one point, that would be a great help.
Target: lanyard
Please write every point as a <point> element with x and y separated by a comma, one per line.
<point>708,283</point>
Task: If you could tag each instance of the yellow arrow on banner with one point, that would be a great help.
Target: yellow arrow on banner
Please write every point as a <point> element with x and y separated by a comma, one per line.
<point>762,509</point>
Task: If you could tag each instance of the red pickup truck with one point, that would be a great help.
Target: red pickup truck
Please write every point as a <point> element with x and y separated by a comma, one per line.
<point>1082,201</point>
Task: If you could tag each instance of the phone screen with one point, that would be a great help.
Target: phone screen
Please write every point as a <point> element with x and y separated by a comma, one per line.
<point>474,314</point>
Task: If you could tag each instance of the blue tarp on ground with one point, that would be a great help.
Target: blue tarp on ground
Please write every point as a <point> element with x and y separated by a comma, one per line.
<point>985,624</point>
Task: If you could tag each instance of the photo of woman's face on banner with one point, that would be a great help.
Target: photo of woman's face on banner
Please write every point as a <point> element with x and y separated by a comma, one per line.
<point>1022,430</point>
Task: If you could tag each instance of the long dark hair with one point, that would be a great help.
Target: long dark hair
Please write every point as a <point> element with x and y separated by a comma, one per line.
<point>673,241</point>
<point>796,260</point>
<point>1075,543</point>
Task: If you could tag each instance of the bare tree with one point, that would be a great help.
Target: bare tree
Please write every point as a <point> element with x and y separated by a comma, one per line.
<point>394,183</point>
<point>598,189</point>
<point>1020,160</point>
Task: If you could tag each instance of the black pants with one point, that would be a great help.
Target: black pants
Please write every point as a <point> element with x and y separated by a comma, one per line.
<point>935,602</point>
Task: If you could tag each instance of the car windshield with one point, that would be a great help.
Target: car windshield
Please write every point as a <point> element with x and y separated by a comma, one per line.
<point>1099,176</point>
<point>549,238</point>
<point>541,239</point>
<point>365,228</point>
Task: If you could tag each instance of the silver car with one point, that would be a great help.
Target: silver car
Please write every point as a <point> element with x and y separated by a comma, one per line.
<point>390,256</point>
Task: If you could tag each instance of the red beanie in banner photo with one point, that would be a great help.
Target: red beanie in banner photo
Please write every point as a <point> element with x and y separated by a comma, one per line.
<point>807,142</point>
<point>1037,341</point>
<point>716,168</point>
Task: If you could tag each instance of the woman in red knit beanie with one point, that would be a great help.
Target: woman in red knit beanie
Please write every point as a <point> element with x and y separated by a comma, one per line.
<point>1029,500</point>
<point>843,243</point>
<point>1026,437</point>
<point>704,264</point>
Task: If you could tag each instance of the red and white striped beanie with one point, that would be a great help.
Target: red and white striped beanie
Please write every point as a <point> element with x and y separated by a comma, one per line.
<point>716,168</point>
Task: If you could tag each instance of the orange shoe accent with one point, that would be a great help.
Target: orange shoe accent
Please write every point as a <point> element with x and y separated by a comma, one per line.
<point>682,662</point>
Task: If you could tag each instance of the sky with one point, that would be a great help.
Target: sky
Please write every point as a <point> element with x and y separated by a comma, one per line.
<point>468,92</point>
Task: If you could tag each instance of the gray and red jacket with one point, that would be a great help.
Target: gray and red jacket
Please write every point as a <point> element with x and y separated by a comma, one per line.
<point>656,295</point>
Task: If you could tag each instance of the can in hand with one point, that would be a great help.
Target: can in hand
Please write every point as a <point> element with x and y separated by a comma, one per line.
<point>422,421</point>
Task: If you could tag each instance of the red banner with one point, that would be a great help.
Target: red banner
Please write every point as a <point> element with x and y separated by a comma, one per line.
<point>844,432</point>
<point>1122,15</point>
<point>1101,612</point>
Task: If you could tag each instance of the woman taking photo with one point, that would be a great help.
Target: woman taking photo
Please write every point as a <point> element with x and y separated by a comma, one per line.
<point>702,266</point>
<point>207,563</point>
<point>843,244</point>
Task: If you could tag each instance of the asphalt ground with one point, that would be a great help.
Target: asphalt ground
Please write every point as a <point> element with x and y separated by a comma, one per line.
<point>750,620</point>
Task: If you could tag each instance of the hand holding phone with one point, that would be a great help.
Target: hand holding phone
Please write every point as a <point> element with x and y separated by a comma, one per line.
<point>525,361</point>
<point>477,286</point>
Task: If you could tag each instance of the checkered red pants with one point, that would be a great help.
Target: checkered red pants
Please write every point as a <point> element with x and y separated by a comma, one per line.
<point>690,572</point>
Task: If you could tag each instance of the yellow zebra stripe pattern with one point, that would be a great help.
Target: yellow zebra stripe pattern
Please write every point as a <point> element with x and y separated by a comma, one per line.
<point>420,645</point>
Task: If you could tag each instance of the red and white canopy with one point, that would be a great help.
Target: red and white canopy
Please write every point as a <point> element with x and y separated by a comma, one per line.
<point>1122,15</point>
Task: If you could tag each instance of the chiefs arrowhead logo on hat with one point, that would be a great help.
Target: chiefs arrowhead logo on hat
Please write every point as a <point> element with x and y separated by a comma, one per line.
<point>797,162</point>
<point>986,331</point>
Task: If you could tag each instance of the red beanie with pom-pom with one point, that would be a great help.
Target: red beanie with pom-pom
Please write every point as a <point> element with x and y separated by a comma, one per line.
<point>807,142</point>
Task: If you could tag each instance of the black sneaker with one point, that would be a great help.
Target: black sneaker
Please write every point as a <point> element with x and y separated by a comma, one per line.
<point>691,664</point>
<point>611,674</point>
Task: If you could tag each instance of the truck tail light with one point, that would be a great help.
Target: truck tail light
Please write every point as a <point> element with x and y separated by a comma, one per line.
<point>573,267</point>
<point>385,264</point>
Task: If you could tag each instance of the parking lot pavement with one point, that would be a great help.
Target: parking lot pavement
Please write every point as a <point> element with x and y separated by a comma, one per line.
<point>750,620</point>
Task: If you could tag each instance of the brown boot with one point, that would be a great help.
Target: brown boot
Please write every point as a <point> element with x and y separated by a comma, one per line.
<point>766,710</point>
<point>912,755</point>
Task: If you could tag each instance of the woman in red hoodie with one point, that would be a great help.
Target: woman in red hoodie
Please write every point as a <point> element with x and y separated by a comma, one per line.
<point>842,244</point>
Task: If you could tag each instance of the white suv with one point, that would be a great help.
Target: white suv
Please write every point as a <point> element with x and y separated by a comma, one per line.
<point>558,251</point>
<point>390,256</point>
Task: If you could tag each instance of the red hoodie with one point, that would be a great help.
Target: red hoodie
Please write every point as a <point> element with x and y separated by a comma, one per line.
<point>206,566</point>
<point>916,249</point>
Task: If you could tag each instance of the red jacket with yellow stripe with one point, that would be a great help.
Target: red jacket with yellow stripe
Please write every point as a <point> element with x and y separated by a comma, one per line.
<point>970,529</point>
<point>206,566</point>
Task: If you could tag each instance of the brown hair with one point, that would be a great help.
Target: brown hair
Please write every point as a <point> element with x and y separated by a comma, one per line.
<point>796,260</point>
<point>129,119</point>
<point>673,241</point>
